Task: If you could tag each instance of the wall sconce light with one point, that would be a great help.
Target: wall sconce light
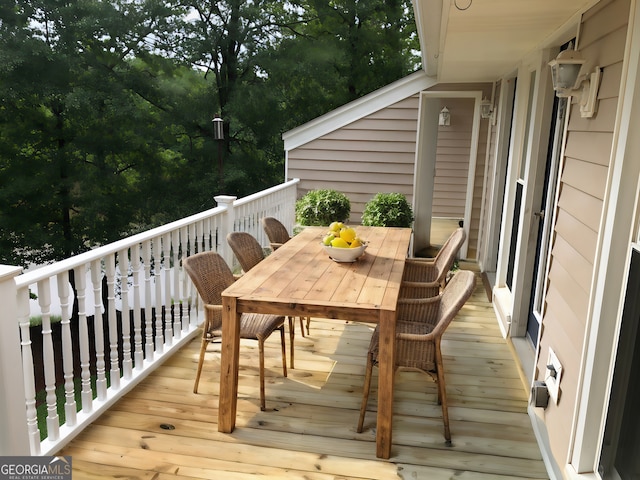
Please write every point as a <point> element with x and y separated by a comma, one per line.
<point>444,120</point>
<point>569,77</point>
<point>486,108</point>
<point>565,72</point>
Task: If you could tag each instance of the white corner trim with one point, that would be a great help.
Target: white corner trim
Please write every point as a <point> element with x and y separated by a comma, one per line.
<point>542,437</point>
<point>352,111</point>
<point>503,308</point>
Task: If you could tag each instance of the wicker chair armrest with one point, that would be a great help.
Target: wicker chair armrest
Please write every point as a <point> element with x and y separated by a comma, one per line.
<point>415,271</point>
<point>425,285</point>
<point>423,310</point>
<point>420,261</point>
<point>416,337</point>
<point>213,308</point>
<point>424,301</point>
<point>212,318</point>
<point>419,289</point>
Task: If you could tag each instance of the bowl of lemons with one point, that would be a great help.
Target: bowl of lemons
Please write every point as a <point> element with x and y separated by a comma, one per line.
<point>342,243</point>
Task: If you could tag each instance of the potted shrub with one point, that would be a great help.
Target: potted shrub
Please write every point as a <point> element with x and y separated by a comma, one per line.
<point>321,207</point>
<point>388,210</point>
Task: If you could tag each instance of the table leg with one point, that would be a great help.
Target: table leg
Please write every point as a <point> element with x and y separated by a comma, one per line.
<point>230,359</point>
<point>386,373</point>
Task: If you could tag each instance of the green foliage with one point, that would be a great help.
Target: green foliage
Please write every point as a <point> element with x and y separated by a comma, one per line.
<point>105,119</point>
<point>388,210</point>
<point>37,320</point>
<point>321,207</point>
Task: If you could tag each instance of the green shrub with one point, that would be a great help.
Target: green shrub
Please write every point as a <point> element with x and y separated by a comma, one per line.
<point>37,320</point>
<point>321,207</point>
<point>388,210</point>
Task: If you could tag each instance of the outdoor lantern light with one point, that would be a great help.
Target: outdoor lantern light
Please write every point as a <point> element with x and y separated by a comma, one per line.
<point>570,81</point>
<point>218,135</point>
<point>565,72</point>
<point>486,108</point>
<point>445,117</point>
<point>218,132</point>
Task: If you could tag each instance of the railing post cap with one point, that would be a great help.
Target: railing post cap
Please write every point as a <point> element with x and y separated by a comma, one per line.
<point>9,271</point>
<point>225,199</point>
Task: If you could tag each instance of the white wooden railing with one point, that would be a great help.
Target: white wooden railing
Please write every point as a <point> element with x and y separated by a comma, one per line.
<point>88,355</point>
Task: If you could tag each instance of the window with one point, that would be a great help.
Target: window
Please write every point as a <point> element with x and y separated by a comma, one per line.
<point>620,459</point>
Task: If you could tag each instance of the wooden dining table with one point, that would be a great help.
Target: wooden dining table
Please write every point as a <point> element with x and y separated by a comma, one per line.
<point>299,279</point>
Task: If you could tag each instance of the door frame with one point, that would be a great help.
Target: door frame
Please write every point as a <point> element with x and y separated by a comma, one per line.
<point>425,163</point>
<point>489,256</point>
<point>527,161</point>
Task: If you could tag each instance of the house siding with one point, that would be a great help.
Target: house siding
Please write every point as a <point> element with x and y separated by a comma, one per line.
<point>377,153</point>
<point>577,228</point>
<point>452,160</point>
<point>370,155</point>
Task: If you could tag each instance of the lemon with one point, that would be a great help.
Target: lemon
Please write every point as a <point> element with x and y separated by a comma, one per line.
<point>356,243</point>
<point>327,239</point>
<point>348,234</point>
<point>339,243</point>
<point>336,226</point>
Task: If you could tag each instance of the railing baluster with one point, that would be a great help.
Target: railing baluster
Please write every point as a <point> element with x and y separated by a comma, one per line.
<point>185,285</point>
<point>136,266</point>
<point>114,360</point>
<point>48,359</point>
<point>157,283</point>
<point>170,327</point>
<point>67,349</point>
<point>193,243</point>
<point>123,269</point>
<point>206,233</point>
<point>143,265</point>
<point>27,371</point>
<point>179,324</point>
<point>80,276</point>
<point>98,329</point>
<point>148,306</point>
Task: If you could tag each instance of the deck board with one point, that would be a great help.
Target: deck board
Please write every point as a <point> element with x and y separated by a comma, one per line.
<point>308,430</point>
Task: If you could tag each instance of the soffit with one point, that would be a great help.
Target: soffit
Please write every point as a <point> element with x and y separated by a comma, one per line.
<point>490,38</point>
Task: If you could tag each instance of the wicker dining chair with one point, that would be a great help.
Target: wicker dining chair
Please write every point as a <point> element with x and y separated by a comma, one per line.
<point>276,232</point>
<point>211,276</point>
<point>432,272</point>
<point>249,253</point>
<point>419,329</point>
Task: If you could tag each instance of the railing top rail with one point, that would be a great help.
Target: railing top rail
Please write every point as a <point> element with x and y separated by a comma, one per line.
<point>46,271</point>
<point>264,193</point>
<point>67,264</point>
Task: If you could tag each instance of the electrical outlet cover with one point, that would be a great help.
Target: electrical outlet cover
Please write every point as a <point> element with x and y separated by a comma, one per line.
<point>553,381</point>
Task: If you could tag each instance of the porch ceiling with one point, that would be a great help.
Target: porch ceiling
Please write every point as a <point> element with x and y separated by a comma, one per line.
<point>489,38</point>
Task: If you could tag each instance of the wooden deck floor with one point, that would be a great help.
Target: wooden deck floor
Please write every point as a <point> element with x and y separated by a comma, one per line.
<point>161,430</point>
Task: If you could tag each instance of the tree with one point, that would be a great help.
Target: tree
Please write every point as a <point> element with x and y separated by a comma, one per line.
<point>106,105</point>
<point>83,138</point>
<point>344,50</point>
<point>223,39</point>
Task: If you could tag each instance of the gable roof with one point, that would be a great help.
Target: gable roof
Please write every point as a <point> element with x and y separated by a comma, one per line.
<point>352,111</point>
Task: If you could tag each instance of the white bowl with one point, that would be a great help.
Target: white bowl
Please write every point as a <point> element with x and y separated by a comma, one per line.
<point>344,255</point>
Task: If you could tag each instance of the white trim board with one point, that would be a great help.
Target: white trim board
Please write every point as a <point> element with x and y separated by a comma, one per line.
<point>360,108</point>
